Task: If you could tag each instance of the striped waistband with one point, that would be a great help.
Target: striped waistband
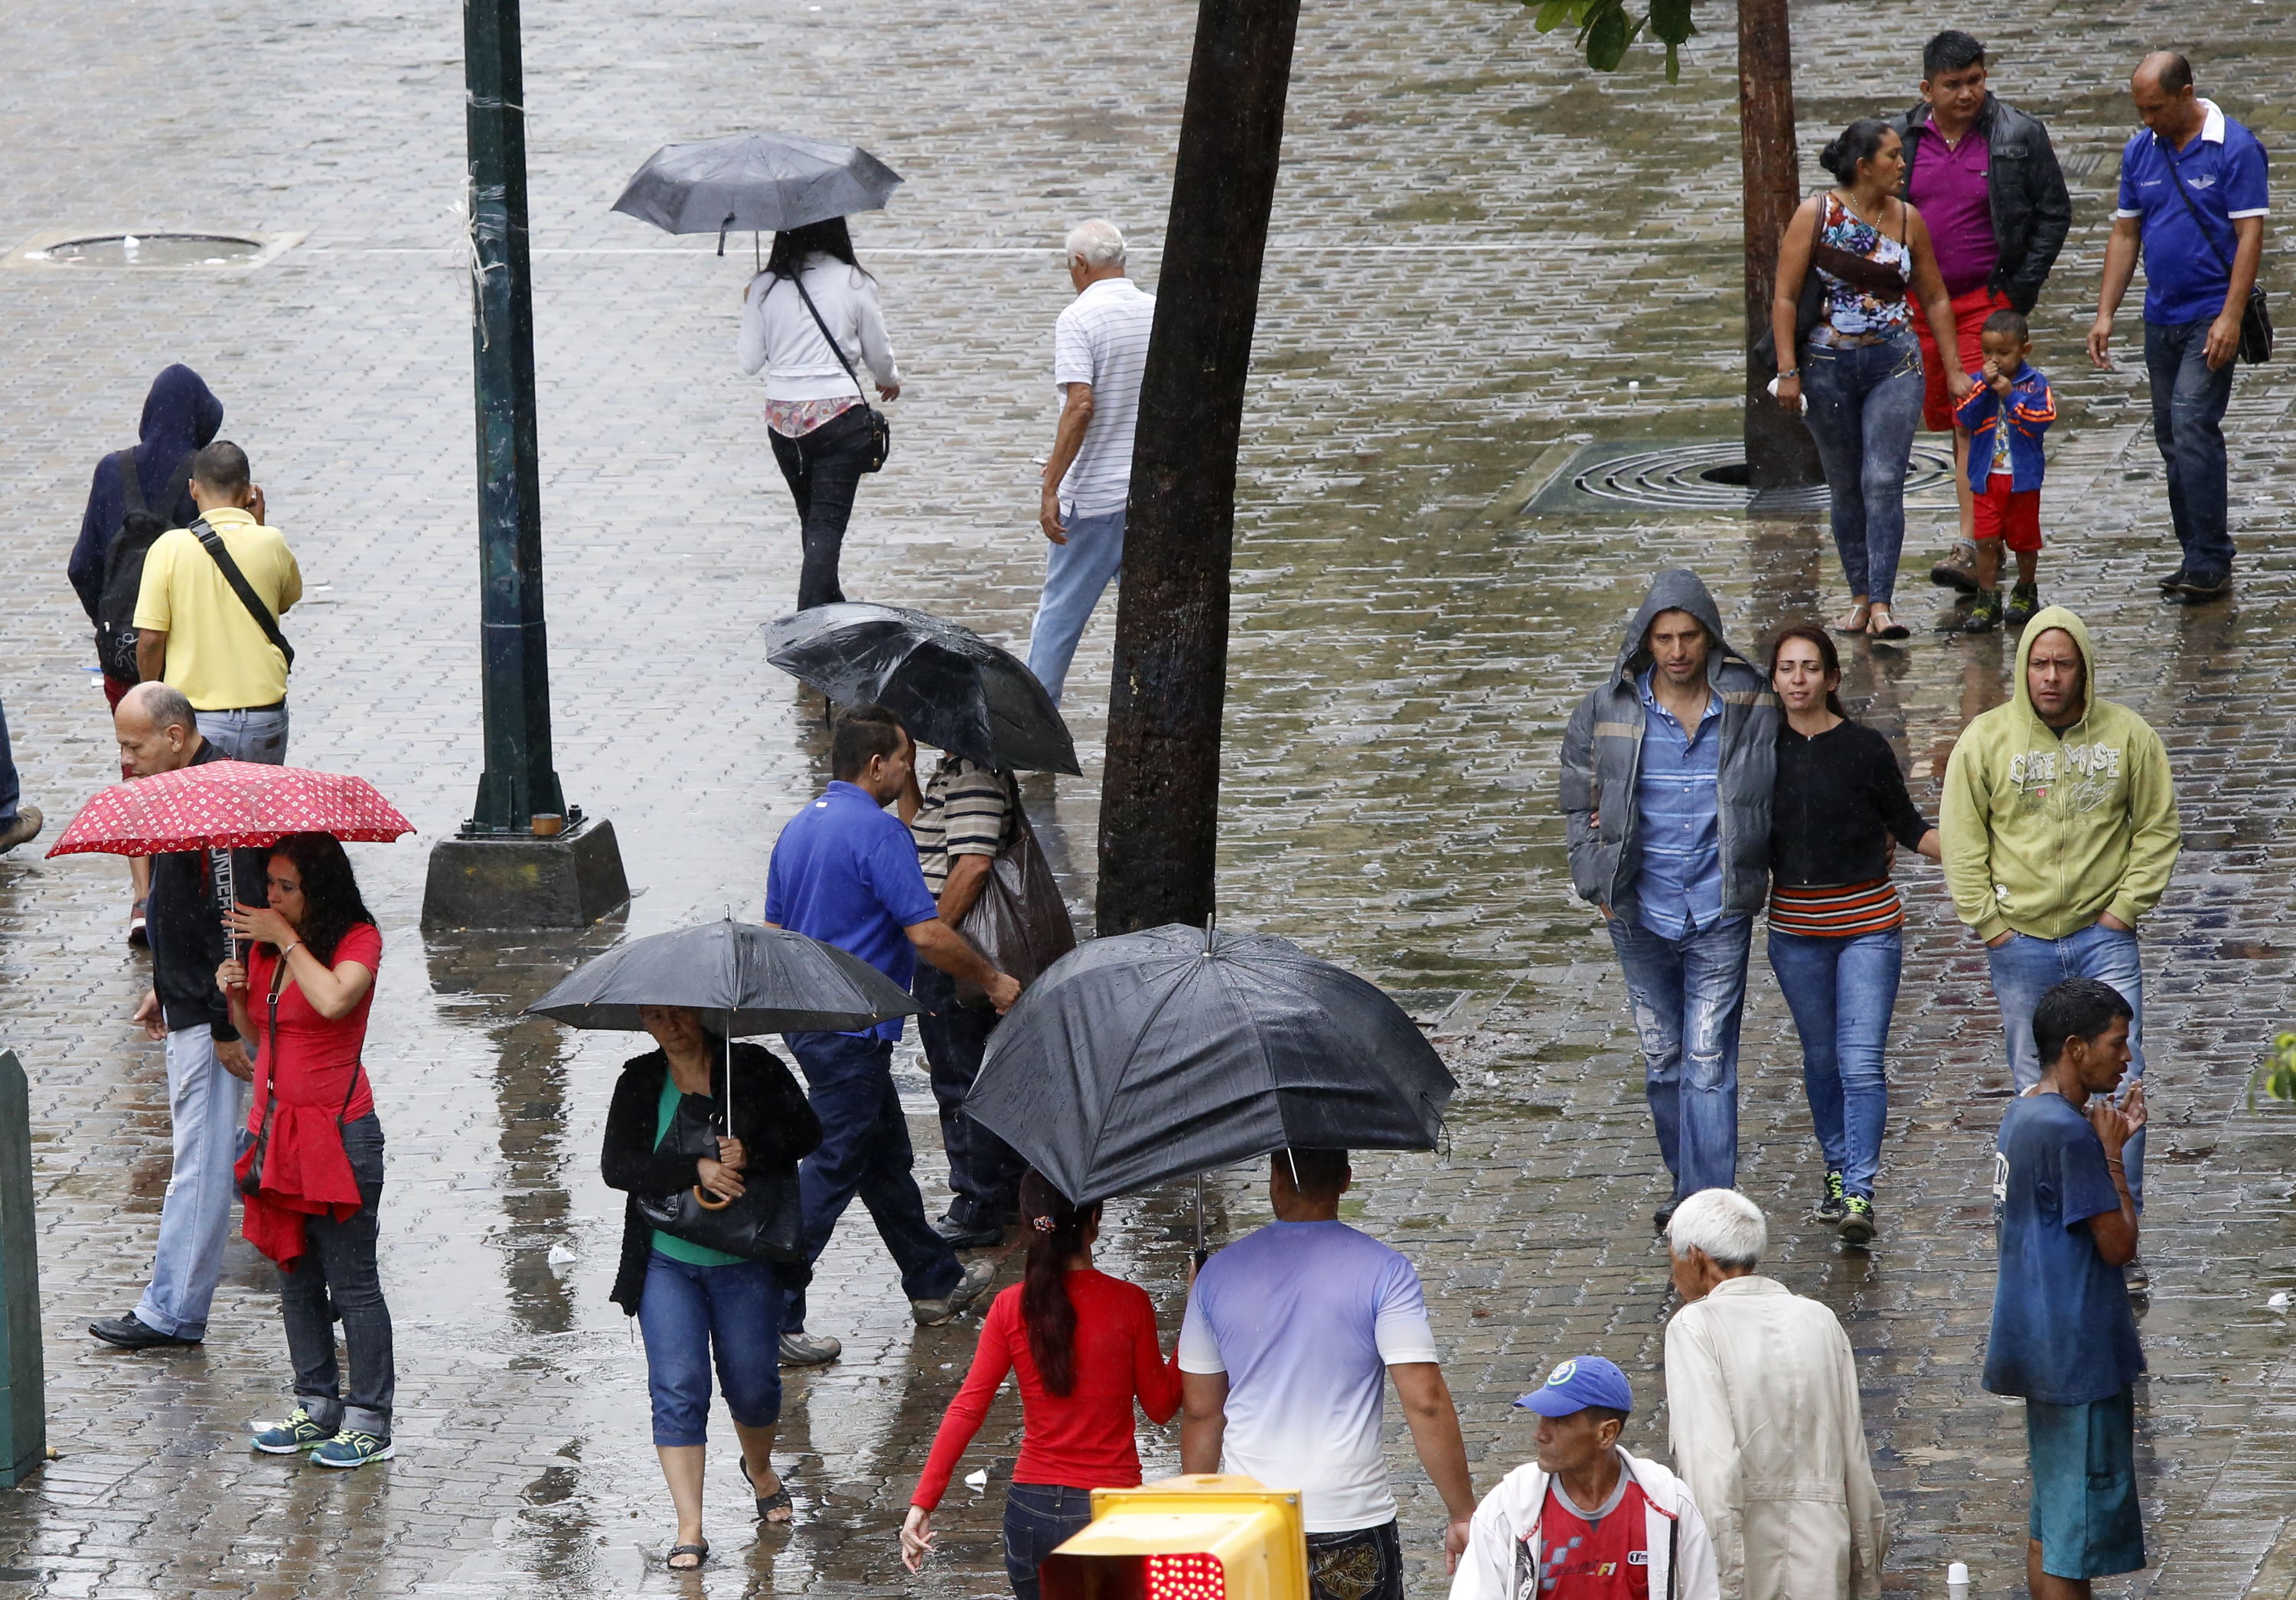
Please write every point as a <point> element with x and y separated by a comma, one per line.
<point>1837,910</point>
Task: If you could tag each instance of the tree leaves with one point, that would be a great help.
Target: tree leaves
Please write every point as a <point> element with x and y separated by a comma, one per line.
<point>1607,29</point>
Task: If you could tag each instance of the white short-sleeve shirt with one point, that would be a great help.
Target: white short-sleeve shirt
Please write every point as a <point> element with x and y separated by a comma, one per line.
<point>1102,340</point>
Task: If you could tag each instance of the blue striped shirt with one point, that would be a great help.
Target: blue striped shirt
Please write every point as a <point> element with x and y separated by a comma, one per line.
<point>1677,820</point>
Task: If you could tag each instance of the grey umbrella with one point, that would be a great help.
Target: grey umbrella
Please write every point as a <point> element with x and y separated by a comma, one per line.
<point>755,182</point>
<point>1166,1053</point>
<point>951,688</point>
<point>750,979</point>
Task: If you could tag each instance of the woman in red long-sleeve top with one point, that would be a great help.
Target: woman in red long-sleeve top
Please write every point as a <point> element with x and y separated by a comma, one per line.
<point>1083,1346</point>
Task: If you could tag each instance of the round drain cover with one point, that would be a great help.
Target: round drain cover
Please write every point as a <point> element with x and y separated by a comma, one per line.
<point>1711,477</point>
<point>156,249</point>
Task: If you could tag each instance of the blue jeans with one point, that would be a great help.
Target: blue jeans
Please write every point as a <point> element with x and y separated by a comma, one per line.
<point>1688,995</point>
<point>2026,968</point>
<point>1076,576</point>
<point>1039,1518</point>
<point>865,1151</point>
<point>336,1280</point>
<point>208,1108</point>
<point>248,736</point>
<point>685,1313</point>
<point>2188,406</point>
<point>1842,992</point>
<point>12,794</point>
<point>1863,404</point>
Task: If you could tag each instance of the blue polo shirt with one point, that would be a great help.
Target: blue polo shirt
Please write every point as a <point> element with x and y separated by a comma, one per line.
<point>2188,264</point>
<point>844,872</point>
<point>1677,820</point>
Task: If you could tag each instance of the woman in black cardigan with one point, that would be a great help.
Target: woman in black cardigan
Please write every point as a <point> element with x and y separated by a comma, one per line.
<point>689,1299</point>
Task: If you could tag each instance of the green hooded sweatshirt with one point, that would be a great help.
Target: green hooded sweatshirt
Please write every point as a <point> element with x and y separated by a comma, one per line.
<point>2045,831</point>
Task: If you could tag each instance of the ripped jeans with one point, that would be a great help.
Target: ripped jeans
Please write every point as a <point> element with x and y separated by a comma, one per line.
<point>1688,996</point>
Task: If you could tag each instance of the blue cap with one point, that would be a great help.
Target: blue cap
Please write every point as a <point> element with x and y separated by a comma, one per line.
<point>1575,1385</point>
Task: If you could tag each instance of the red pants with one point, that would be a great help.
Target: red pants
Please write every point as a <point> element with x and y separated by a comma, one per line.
<point>2010,515</point>
<point>1969,314</point>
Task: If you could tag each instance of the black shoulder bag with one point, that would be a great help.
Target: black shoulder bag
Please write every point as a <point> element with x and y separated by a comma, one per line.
<point>212,543</point>
<point>761,1223</point>
<point>1809,306</point>
<point>880,430</point>
<point>2255,317</point>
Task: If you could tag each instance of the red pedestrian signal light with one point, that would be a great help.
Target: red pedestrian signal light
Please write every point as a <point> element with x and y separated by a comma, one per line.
<point>1204,1538</point>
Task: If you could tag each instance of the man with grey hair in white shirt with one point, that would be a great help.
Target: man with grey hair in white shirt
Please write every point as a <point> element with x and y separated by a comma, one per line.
<point>1761,1394</point>
<point>1100,346</point>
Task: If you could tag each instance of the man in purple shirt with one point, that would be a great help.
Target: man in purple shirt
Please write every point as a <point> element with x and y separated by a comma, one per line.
<point>1985,179</point>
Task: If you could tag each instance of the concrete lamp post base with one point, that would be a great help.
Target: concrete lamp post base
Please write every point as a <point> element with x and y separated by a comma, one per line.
<point>514,880</point>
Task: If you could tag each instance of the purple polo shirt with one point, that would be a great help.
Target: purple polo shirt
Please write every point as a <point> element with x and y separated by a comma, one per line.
<point>1949,190</point>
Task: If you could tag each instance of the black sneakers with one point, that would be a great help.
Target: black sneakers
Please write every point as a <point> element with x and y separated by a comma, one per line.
<point>2201,583</point>
<point>129,1335</point>
<point>1828,1209</point>
<point>2024,600</point>
<point>1858,1225</point>
<point>1984,613</point>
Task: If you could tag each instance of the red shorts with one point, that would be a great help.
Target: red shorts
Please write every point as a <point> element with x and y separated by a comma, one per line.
<point>1969,314</point>
<point>114,691</point>
<point>2010,515</point>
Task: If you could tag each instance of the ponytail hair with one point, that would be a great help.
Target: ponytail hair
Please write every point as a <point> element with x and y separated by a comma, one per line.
<point>1826,654</point>
<point>1055,1231</point>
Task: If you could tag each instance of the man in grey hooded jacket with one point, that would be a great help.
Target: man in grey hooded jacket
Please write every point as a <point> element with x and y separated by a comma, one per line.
<point>1667,770</point>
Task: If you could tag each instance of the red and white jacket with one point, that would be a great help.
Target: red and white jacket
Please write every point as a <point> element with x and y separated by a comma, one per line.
<point>1500,1565</point>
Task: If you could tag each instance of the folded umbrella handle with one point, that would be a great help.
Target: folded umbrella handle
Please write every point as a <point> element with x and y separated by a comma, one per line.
<point>708,1201</point>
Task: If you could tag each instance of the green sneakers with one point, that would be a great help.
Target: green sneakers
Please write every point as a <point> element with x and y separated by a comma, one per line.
<point>2024,600</point>
<point>353,1447</point>
<point>297,1432</point>
<point>1828,1209</point>
<point>1984,613</point>
<point>1857,1219</point>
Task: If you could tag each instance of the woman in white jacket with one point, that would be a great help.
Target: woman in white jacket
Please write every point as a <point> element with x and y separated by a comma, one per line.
<point>817,415</point>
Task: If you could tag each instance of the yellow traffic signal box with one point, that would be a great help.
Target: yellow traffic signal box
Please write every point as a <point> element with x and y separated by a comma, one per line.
<point>1202,1537</point>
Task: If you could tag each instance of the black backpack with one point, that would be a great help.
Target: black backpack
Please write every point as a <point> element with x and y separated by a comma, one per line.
<point>123,572</point>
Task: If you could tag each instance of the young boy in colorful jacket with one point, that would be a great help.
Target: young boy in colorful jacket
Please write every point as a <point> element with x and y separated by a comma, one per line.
<point>2006,415</point>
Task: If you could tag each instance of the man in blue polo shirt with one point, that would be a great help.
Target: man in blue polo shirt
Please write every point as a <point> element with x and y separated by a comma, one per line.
<point>844,872</point>
<point>2193,197</point>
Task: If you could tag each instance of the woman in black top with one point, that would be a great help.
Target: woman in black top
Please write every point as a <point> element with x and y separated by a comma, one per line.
<point>691,1301</point>
<point>1835,937</point>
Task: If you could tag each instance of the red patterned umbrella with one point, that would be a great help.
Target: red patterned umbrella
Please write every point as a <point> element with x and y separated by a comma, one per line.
<point>229,805</point>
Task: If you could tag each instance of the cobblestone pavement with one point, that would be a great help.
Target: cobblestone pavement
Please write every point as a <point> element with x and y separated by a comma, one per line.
<point>1476,251</point>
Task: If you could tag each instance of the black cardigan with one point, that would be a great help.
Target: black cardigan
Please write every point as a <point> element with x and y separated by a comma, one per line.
<point>1839,799</point>
<point>771,1117</point>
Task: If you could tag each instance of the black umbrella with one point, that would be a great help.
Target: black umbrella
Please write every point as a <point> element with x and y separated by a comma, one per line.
<point>755,182</point>
<point>748,980</point>
<point>1163,1054</point>
<point>951,688</point>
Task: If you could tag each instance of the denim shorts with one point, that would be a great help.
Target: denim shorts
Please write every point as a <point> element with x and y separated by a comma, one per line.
<point>2084,1510</point>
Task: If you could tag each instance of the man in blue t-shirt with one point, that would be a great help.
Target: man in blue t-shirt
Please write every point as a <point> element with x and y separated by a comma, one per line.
<point>844,872</point>
<point>2193,195</point>
<point>2063,1336</point>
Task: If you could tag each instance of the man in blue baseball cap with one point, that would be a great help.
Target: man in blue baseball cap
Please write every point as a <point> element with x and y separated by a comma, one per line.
<point>1586,1520</point>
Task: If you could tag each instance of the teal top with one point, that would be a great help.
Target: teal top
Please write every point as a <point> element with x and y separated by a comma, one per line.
<point>678,1249</point>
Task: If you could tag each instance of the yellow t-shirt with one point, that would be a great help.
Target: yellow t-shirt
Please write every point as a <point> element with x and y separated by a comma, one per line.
<point>216,654</point>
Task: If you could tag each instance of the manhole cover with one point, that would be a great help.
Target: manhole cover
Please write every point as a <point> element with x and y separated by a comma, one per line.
<point>186,250</point>
<point>1701,475</point>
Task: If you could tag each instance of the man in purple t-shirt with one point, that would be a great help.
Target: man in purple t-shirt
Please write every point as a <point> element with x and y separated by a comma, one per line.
<point>1985,179</point>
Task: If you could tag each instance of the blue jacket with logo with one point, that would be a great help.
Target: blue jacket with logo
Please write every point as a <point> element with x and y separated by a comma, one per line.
<point>2027,412</point>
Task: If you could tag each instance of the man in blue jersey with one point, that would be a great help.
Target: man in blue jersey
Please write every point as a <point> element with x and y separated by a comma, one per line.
<point>2193,195</point>
<point>844,872</point>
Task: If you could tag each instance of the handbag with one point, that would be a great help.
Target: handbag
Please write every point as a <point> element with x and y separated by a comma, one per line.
<point>2256,317</point>
<point>1809,306</point>
<point>759,1224</point>
<point>880,430</point>
<point>1019,922</point>
<point>212,543</point>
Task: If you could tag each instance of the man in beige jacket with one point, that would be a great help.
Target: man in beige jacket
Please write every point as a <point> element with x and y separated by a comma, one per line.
<point>1766,1425</point>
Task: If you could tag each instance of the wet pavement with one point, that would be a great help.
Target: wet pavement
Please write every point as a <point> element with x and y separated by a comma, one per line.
<point>1476,253</point>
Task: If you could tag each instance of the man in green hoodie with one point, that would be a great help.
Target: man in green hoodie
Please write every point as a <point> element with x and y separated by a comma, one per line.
<point>2060,830</point>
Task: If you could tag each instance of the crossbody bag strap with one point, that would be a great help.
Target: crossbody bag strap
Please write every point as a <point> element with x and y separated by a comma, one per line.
<point>212,543</point>
<point>2177,179</point>
<point>835,349</point>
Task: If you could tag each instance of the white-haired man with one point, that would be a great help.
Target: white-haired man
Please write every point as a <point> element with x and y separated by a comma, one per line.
<point>1100,346</point>
<point>1765,1426</point>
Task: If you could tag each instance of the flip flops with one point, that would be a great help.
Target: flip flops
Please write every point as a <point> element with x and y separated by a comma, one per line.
<point>700,1554</point>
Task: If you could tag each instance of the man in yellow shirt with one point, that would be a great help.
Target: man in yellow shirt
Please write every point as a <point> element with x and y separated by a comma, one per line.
<point>195,633</point>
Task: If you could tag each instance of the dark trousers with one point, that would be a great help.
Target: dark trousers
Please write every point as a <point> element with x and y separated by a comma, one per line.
<point>1039,1518</point>
<point>824,472</point>
<point>865,1151</point>
<point>1363,1563</point>
<point>983,1171</point>
<point>2188,406</point>
<point>688,1311</point>
<point>10,794</point>
<point>335,1280</point>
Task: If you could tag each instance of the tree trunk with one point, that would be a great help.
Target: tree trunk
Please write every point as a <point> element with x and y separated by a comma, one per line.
<point>1779,451</point>
<point>1159,801</point>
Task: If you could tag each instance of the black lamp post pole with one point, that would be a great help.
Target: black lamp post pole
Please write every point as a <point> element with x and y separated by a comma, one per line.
<point>518,780</point>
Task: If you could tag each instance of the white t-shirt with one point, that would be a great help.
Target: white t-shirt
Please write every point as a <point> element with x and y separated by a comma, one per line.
<point>1305,1318</point>
<point>1102,340</point>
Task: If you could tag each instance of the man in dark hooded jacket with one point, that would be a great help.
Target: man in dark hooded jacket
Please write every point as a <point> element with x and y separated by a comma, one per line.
<point>181,417</point>
<point>1667,771</point>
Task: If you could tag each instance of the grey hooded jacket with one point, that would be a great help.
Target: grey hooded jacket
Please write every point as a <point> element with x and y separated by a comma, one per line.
<point>1602,761</point>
